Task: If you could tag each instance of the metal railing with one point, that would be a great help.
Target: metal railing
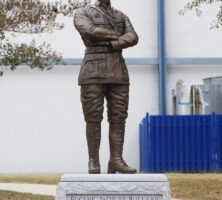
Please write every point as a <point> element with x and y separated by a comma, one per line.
<point>187,143</point>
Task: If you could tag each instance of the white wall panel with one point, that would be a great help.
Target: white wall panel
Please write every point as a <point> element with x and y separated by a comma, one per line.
<point>189,35</point>
<point>41,120</point>
<point>42,125</point>
<point>186,36</point>
<point>142,13</point>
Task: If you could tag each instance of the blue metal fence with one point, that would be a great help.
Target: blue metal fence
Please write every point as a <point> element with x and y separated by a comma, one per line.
<point>188,143</point>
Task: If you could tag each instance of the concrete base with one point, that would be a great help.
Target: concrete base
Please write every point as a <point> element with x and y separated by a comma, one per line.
<point>113,187</point>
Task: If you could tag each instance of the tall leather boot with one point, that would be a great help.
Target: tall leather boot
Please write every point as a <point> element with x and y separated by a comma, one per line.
<point>116,140</point>
<point>93,134</point>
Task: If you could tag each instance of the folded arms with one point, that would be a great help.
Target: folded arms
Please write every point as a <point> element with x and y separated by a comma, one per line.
<point>100,35</point>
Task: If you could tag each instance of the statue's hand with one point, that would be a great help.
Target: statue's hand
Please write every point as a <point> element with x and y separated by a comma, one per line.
<point>116,34</point>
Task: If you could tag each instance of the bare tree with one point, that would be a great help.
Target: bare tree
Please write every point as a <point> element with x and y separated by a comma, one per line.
<point>31,17</point>
<point>196,5</point>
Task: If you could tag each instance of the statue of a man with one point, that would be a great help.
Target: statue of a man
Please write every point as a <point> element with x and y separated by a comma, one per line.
<point>105,31</point>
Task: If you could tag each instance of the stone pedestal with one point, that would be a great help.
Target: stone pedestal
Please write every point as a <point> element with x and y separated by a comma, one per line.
<point>113,187</point>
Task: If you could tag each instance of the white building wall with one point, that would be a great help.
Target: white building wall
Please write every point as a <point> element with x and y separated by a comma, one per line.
<point>186,36</point>
<point>189,35</point>
<point>41,123</point>
<point>41,120</point>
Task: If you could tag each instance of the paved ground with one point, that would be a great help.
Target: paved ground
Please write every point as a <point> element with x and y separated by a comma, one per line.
<point>32,188</point>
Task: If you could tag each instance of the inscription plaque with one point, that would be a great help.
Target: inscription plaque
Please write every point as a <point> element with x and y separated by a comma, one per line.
<point>115,197</point>
<point>113,187</point>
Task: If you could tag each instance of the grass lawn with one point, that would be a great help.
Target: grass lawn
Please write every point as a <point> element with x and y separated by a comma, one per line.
<point>51,179</point>
<point>183,186</point>
<point>196,186</point>
<point>8,195</point>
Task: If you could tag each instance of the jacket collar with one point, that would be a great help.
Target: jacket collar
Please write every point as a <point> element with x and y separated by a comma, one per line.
<point>97,3</point>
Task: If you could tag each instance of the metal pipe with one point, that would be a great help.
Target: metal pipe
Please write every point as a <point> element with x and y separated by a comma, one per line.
<point>162,57</point>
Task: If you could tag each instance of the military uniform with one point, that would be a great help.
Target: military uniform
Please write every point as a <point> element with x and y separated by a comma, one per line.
<point>105,31</point>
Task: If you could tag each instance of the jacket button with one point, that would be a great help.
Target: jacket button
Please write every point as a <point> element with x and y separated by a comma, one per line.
<point>97,15</point>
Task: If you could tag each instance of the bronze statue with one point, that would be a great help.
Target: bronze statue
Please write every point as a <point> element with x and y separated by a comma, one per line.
<point>105,31</point>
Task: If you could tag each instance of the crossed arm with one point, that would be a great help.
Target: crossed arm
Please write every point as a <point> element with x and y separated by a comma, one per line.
<point>101,35</point>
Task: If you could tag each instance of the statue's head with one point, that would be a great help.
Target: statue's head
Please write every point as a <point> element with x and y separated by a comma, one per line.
<point>107,2</point>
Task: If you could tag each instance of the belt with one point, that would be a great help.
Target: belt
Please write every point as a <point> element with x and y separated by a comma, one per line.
<point>100,49</point>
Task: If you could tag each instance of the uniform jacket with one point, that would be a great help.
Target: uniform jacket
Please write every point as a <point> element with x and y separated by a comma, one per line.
<point>104,34</point>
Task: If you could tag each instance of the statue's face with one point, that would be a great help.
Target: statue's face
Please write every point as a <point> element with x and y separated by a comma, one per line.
<point>105,1</point>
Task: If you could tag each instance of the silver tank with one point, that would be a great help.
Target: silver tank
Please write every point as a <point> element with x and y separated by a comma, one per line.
<point>199,99</point>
